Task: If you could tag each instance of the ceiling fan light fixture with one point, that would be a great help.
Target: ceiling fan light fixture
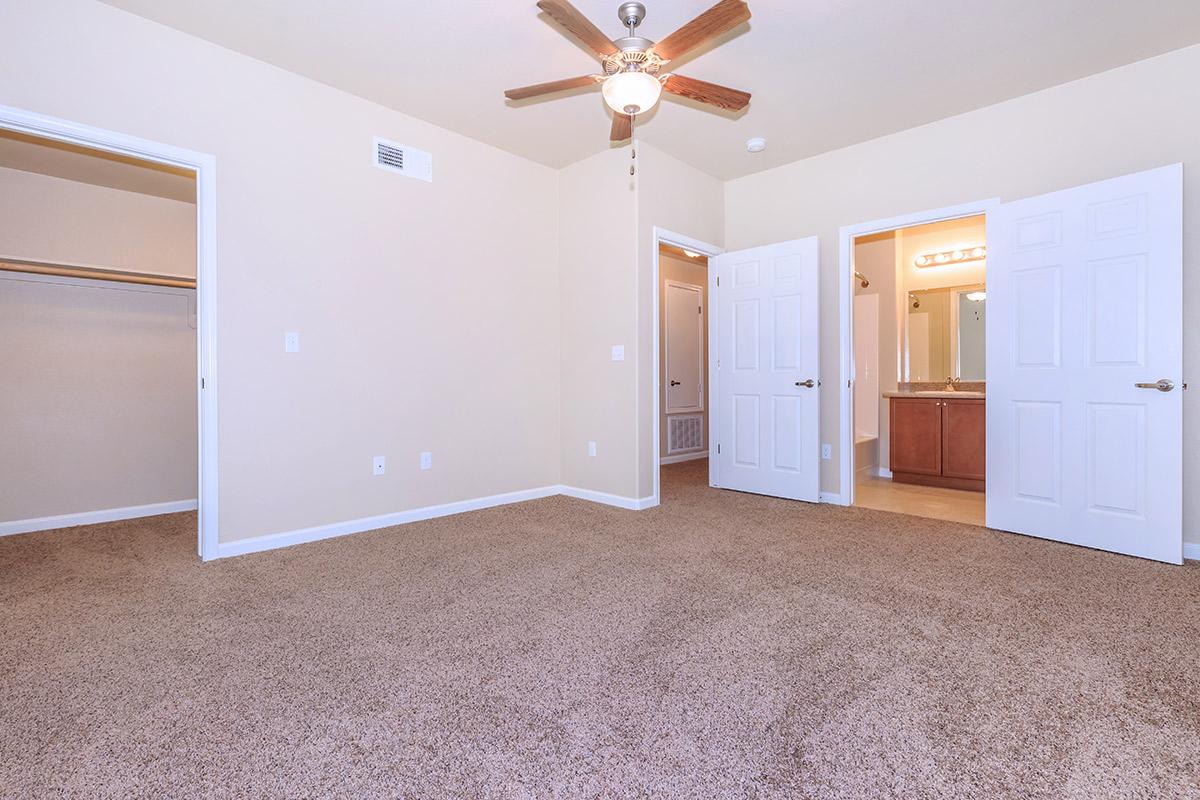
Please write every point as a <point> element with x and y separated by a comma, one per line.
<point>631,92</point>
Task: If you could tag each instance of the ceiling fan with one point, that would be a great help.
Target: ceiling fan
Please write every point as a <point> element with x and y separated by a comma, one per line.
<point>632,82</point>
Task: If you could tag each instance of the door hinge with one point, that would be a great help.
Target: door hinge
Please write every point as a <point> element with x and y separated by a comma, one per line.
<point>202,383</point>
<point>718,280</point>
<point>718,449</point>
<point>699,310</point>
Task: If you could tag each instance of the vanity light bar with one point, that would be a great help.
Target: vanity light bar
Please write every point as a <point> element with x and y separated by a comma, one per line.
<point>959,256</point>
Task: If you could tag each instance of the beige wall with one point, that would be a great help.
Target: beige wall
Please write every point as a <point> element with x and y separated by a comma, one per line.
<point>428,312</point>
<point>98,409</point>
<point>1137,117</point>
<point>598,309</point>
<point>674,268</point>
<point>53,219</point>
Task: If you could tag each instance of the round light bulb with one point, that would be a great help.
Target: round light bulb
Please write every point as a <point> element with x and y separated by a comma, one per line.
<point>958,255</point>
<point>977,252</point>
<point>941,258</point>
<point>922,261</point>
<point>631,92</point>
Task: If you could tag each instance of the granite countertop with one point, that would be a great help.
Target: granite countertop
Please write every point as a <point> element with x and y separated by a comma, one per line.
<point>961,394</point>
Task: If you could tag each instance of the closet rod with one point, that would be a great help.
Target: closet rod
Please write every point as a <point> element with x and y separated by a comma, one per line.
<point>97,273</point>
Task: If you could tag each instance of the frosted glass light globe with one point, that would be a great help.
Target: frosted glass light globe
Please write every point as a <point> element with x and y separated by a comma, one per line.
<point>631,92</point>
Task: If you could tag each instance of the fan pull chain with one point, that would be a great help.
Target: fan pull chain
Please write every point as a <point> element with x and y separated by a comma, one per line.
<point>632,147</point>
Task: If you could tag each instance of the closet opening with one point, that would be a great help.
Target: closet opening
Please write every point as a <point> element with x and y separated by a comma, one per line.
<point>102,336</point>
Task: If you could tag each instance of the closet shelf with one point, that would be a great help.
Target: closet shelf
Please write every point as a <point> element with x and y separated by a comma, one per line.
<point>96,273</point>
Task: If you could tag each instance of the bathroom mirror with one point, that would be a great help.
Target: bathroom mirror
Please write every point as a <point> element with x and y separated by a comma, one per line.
<point>944,334</point>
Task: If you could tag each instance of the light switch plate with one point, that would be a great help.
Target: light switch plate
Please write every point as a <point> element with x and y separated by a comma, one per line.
<point>426,460</point>
<point>592,449</point>
<point>291,342</point>
<point>618,352</point>
<point>378,465</point>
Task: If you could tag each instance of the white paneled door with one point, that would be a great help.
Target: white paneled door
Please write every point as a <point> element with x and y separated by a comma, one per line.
<point>683,331</point>
<point>766,394</point>
<point>1084,355</point>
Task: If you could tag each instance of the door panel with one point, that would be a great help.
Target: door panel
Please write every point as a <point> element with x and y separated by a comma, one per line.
<point>684,347</point>
<point>765,415</point>
<point>964,439</point>
<point>1084,290</point>
<point>916,436</point>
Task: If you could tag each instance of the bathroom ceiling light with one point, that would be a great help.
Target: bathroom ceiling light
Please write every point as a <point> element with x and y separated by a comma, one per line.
<point>977,297</point>
<point>959,255</point>
<point>692,254</point>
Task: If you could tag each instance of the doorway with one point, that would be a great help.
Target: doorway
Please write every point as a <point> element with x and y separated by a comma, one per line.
<point>918,313</point>
<point>108,153</point>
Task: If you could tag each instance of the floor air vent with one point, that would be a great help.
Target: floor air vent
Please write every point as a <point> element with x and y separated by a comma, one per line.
<point>685,432</point>
<point>403,159</point>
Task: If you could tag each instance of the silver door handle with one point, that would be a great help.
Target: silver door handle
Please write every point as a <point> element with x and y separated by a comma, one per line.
<point>809,383</point>
<point>1162,384</point>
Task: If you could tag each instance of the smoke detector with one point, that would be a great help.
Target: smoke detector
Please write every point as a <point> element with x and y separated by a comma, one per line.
<point>756,145</point>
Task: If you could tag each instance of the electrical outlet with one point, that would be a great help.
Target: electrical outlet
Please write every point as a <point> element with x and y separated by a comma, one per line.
<point>426,460</point>
<point>618,352</point>
<point>826,451</point>
<point>291,342</point>
<point>378,465</point>
<point>592,449</point>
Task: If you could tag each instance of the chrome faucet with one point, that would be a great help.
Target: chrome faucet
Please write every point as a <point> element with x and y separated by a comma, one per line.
<point>952,384</point>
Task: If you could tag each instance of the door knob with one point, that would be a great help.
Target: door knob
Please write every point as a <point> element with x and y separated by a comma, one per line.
<point>1162,384</point>
<point>809,383</point>
<point>674,383</point>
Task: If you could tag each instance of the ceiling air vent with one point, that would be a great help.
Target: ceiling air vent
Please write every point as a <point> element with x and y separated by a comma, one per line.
<point>403,159</point>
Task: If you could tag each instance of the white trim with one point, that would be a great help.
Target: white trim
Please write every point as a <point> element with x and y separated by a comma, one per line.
<point>1191,551</point>
<point>94,517</point>
<point>664,236</point>
<point>274,541</point>
<point>832,498</point>
<point>629,503</point>
<point>205,167</point>
<point>675,459</point>
<point>699,290</point>
<point>846,236</point>
<point>884,472</point>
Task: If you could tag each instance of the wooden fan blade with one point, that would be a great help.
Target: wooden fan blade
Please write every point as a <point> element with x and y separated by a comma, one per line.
<point>578,26</point>
<point>552,87</point>
<point>724,16</point>
<point>711,93</point>
<point>622,128</point>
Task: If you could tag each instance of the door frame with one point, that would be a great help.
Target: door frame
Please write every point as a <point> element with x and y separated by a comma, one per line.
<point>710,251</point>
<point>846,283</point>
<point>703,340</point>
<point>204,166</point>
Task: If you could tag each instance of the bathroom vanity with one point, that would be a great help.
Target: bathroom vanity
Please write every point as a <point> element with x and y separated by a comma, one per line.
<point>938,438</point>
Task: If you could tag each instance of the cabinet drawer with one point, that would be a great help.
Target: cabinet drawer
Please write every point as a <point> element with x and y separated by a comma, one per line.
<point>916,436</point>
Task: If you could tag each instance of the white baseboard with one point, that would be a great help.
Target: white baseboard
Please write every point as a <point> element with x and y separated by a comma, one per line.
<point>1191,551</point>
<point>675,459</point>
<point>884,472</point>
<point>272,541</point>
<point>630,503</point>
<point>94,517</point>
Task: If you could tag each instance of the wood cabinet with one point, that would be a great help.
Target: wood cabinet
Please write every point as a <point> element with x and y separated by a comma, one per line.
<point>939,441</point>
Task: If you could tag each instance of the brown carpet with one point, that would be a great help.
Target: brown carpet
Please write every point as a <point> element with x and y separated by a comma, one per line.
<point>723,645</point>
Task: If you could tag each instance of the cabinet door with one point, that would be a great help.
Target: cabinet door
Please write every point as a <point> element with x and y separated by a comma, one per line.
<point>916,436</point>
<point>964,428</point>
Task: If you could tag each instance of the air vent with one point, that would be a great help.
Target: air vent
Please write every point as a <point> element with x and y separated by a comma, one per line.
<point>685,432</point>
<point>403,159</point>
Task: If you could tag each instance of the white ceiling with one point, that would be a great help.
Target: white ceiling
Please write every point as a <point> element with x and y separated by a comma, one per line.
<point>824,73</point>
<point>60,160</point>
